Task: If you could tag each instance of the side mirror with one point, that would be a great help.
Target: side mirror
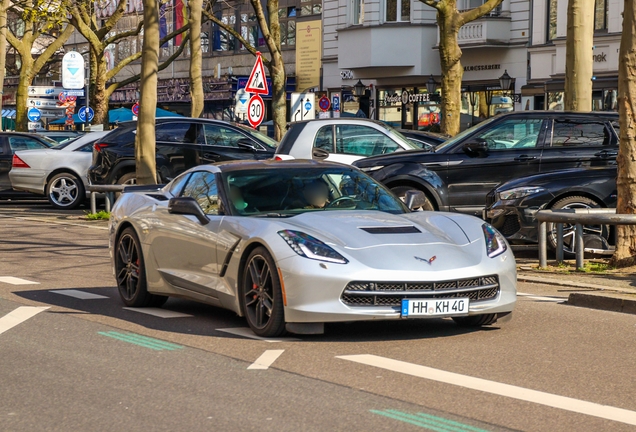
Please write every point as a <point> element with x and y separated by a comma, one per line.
<point>414,199</point>
<point>319,153</point>
<point>246,144</point>
<point>479,147</point>
<point>187,206</point>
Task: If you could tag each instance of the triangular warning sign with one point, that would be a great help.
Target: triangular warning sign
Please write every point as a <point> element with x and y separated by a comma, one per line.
<point>257,83</point>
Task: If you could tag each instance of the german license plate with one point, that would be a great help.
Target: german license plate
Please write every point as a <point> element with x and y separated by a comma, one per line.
<point>434,307</point>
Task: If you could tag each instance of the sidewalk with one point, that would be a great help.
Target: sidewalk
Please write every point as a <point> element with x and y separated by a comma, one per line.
<point>612,290</point>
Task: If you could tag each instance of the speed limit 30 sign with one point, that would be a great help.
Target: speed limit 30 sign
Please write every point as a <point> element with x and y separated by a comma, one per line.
<point>255,110</point>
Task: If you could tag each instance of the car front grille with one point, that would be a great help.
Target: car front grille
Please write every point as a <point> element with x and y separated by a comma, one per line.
<point>392,293</point>
<point>511,225</point>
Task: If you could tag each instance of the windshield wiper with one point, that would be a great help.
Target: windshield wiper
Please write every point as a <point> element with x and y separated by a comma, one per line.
<point>274,215</point>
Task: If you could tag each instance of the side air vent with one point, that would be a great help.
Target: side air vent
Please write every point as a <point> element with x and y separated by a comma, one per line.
<point>391,230</point>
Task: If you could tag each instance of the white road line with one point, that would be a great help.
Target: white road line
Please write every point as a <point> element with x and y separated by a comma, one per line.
<point>266,359</point>
<point>493,387</point>
<point>83,295</point>
<point>161,313</point>
<point>542,298</point>
<point>246,332</point>
<point>17,281</point>
<point>18,316</point>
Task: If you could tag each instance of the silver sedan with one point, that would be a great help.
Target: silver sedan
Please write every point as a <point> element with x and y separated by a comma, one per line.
<point>291,245</point>
<point>59,173</point>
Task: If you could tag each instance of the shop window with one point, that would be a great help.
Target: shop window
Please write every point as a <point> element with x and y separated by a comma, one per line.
<point>310,7</point>
<point>249,29</point>
<point>286,18</point>
<point>569,133</point>
<point>600,15</point>
<point>552,19</point>
<point>398,10</point>
<point>357,12</point>
<point>223,40</point>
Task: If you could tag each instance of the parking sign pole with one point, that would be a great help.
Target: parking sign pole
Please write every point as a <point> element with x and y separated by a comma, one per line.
<point>88,83</point>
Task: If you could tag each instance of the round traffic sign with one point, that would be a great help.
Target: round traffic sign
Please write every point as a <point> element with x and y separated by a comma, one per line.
<point>61,97</point>
<point>255,110</point>
<point>324,103</point>
<point>82,114</point>
<point>135,109</point>
<point>34,114</point>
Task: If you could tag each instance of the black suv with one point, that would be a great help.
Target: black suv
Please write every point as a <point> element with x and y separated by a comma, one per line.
<point>181,144</point>
<point>458,175</point>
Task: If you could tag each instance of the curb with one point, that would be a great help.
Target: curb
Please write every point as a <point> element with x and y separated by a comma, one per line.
<point>593,301</point>
<point>573,284</point>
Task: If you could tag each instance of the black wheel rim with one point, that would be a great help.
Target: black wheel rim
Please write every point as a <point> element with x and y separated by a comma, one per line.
<point>569,231</point>
<point>128,266</point>
<point>259,292</point>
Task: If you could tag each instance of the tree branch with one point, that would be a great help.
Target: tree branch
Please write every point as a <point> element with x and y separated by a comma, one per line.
<point>52,49</point>
<point>432,3</point>
<point>473,14</point>
<point>262,23</point>
<point>118,36</point>
<point>111,88</point>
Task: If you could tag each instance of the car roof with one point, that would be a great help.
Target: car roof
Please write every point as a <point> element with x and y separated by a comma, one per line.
<point>568,114</point>
<point>244,165</point>
<point>158,120</point>
<point>354,120</point>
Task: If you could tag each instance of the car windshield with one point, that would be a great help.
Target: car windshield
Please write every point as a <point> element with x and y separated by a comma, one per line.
<point>408,144</point>
<point>460,136</point>
<point>284,191</point>
<point>259,136</point>
<point>66,142</point>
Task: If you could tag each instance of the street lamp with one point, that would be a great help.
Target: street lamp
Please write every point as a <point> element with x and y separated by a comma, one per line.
<point>431,85</point>
<point>359,89</point>
<point>505,80</point>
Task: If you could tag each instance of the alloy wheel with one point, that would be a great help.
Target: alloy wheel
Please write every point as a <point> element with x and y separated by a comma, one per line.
<point>127,267</point>
<point>63,191</point>
<point>259,292</point>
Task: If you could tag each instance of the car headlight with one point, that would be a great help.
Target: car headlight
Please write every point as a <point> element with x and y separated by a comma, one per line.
<point>495,242</point>
<point>310,247</point>
<point>521,192</point>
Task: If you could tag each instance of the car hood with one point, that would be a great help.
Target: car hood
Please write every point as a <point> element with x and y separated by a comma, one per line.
<point>379,240</point>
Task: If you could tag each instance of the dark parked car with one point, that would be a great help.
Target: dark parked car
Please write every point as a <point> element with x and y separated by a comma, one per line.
<point>426,140</point>
<point>181,144</point>
<point>458,175</point>
<point>511,207</point>
<point>9,143</point>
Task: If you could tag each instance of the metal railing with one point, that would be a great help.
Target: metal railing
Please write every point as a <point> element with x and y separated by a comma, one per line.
<point>578,218</point>
<point>109,192</point>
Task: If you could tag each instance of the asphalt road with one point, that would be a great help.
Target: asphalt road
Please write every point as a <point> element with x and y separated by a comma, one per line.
<point>72,358</point>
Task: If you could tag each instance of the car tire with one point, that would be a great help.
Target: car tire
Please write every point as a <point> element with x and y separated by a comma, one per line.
<point>128,179</point>
<point>476,320</point>
<point>65,191</point>
<point>400,192</point>
<point>574,202</point>
<point>130,272</point>
<point>260,286</point>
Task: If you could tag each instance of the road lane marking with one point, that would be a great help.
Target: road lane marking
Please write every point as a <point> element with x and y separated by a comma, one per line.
<point>266,359</point>
<point>427,421</point>
<point>82,295</point>
<point>543,298</point>
<point>158,312</point>
<point>17,281</point>
<point>143,341</point>
<point>548,399</point>
<point>247,332</point>
<point>18,316</point>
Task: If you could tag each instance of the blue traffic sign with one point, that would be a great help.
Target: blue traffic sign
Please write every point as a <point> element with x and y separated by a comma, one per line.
<point>34,115</point>
<point>307,106</point>
<point>82,114</point>
<point>335,102</point>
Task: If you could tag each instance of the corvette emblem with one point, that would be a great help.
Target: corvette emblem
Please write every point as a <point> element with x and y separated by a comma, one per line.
<point>429,261</point>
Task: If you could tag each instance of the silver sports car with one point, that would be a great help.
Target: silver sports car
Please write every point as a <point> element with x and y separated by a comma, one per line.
<point>291,245</point>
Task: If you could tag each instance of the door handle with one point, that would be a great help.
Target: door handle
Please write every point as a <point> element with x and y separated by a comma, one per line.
<point>606,154</point>
<point>525,158</point>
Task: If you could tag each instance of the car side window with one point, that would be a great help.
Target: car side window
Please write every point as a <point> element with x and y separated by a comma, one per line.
<point>187,133</point>
<point>573,133</point>
<point>222,136</point>
<point>24,143</point>
<point>512,134</point>
<point>203,188</point>
<point>86,148</point>
<point>178,183</point>
<point>324,139</point>
<point>363,141</point>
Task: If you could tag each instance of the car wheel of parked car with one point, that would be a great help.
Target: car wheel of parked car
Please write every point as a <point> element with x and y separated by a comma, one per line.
<point>262,299</point>
<point>128,179</point>
<point>400,192</point>
<point>574,202</point>
<point>65,191</point>
<point>130,272</point>
<point>476,320</point>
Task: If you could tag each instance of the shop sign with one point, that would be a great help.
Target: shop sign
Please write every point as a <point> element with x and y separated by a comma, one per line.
<point>599,58</point>
<point>481,67</point>
<point>346,74</point>
<point>391,99</point>
<point>414,97</point>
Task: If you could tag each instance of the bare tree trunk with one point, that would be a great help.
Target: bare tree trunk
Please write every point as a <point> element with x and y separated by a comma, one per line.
<point>625,254</point>
<point>578,55</point>
<point>196,59</point>
<point>22,93</point>
<point>98,96</point>
<point>145,142</point>
<point>3,50</point>
<point>452,71</point>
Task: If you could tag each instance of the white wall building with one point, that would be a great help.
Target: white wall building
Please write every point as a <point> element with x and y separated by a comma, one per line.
<point>390,45</point>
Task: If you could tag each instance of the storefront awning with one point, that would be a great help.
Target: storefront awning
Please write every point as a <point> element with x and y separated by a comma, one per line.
<point>533,89</point>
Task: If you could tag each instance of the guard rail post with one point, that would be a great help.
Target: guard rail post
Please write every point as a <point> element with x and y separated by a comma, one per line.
<point>580,246</point>
<point>109,192</point>
<point>543,247</point>
<point>559,243</point>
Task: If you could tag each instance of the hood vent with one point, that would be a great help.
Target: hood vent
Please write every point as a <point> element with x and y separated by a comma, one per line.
<point>391,230</point>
